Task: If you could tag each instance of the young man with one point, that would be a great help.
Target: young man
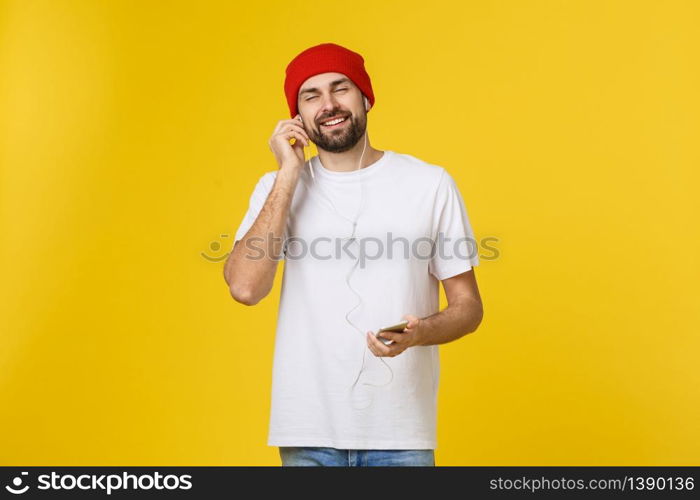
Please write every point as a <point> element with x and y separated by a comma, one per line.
<point>366,236</point>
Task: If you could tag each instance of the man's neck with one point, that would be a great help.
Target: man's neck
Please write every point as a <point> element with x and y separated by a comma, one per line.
<point>349,160</point>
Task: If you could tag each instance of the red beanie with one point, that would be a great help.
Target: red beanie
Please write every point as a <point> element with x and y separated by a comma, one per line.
<point>325,58</point>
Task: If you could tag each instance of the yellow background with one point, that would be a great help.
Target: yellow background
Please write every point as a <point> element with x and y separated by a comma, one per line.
<point>132,134</point>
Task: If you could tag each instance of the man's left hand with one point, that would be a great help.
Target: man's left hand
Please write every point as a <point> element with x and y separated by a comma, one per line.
<point>411,336</point>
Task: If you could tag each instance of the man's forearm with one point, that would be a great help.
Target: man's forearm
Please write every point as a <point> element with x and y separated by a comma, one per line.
<point>455,321</point>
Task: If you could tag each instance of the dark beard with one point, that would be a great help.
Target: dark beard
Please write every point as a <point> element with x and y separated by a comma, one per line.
<point>339,142</point>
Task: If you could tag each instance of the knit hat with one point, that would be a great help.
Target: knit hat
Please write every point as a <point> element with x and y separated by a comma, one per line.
<point>325,58</point>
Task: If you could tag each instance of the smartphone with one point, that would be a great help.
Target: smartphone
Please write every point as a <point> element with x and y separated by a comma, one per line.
<point>398,328</point>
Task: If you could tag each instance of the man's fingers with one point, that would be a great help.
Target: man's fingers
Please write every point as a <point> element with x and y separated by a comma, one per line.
<point>370,344</point>
<point>378,347</point>
<point>371,347</point>
<point>373,342</point>
<point>286,124</point>
<point>289,134</point>
<point>390,336</point>
<point>297,130</point>
<point>298,126</point>
<point>290,123</point>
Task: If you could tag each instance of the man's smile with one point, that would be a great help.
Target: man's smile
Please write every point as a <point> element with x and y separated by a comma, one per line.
<point>335,123</point>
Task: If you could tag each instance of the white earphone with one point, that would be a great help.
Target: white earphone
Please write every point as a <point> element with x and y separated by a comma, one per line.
<point>352,237</point>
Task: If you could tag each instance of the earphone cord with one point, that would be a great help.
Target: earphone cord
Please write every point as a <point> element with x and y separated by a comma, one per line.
<point>347,278</point>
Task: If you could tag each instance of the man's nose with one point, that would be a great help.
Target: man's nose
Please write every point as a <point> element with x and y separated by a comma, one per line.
<point>328,104</point>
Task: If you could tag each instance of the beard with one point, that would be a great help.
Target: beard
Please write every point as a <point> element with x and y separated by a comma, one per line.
<point>339,140</point>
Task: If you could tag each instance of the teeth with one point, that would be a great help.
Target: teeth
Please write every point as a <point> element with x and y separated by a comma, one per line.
<point>333,122</point>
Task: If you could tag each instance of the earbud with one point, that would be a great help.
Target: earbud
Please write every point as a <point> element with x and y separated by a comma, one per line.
<point>366,104</point>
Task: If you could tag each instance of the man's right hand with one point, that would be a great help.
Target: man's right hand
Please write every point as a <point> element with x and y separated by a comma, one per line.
<point>286,154</point>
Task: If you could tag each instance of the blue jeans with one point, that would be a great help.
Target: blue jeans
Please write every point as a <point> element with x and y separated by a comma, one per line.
<point>306,456</point>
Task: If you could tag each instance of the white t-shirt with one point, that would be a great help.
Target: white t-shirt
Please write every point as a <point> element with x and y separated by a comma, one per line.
<point>317,397</point>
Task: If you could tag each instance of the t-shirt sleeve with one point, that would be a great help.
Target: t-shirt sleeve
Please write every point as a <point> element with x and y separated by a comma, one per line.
<point>456,250</point>
<point>257,200</point>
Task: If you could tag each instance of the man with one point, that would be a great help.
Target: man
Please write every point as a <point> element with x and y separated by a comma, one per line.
<point>340,395</point>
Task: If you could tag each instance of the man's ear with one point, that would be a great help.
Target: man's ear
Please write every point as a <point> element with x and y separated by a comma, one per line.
<point>367,106</point>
